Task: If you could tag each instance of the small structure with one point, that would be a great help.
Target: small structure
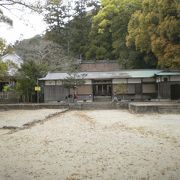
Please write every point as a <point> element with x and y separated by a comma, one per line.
<point>103,80</point>
<point>168,85</point>
<point>126,84</point>
<point>14,62</point>
<point>5,84</point>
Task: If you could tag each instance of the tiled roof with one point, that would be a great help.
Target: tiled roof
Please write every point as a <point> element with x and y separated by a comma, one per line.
<point>168,73</point>
<point>146,73</point>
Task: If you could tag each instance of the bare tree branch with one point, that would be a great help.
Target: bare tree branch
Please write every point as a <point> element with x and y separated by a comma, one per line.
<point>32,6</point>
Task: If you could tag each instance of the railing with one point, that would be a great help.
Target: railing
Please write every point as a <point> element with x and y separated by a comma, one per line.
<point>3,95</point>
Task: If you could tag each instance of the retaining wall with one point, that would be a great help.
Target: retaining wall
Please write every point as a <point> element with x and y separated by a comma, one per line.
<point>140,108</point>
<point>154,108</point>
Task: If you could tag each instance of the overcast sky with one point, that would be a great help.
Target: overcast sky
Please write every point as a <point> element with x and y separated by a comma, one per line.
<point>25,25</point>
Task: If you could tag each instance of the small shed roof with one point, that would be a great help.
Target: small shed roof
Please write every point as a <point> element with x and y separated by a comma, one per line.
<point>145,73</point>
<point>168,74</point>
<point>13,58</point>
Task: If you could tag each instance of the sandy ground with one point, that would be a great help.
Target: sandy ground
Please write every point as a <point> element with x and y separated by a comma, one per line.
<point>17,118</point>
<point>98,145</point>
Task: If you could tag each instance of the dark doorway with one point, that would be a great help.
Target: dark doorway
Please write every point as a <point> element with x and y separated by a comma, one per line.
<point>2,84</point>
<point>102,88</point>
<point>175,91</point>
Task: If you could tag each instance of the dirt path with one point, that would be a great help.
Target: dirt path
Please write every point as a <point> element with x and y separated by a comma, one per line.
<point>98,145</point>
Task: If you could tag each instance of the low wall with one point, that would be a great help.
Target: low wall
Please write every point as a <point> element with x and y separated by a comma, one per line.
<point>122,105</point>
<point>138,107</point>
<point>72,106</point>
<point>133,108</point>
<point>142,108</point>
<point>32,106</point>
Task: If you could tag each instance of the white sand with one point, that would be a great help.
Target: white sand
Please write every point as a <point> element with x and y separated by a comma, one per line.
<point>17,118</point>
<point>98,145</point>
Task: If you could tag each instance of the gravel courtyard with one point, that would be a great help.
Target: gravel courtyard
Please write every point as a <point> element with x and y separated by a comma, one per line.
<point>97,145</point>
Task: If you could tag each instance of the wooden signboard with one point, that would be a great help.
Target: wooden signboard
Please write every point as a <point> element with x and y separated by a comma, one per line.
<point>37,88</point>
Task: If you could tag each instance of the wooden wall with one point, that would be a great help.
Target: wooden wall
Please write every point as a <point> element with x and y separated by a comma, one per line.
<point>55,93</point>
<point>165,89</point>
<point>86,89</point>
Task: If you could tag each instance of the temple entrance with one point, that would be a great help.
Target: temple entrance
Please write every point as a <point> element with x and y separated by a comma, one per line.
<point>175,91</point>
<point>102,89</point>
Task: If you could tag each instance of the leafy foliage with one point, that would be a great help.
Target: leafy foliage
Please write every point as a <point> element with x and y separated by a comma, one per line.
<point>80,27</point>
<point>2,46</point>
<point>3,69</point>
<point>70,26</point>
<point>156,29</point>
<point>56,13</point>
<point>74,79</point>
<point>139,34</point>
<point>28,75</point>
<point>109,33</point>
<point>3,66</point>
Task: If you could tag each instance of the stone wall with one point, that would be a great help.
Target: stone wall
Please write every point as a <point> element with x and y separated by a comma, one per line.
<point>92,66</point>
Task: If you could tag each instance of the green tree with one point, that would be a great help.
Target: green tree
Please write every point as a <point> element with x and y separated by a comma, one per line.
<point>80,27</point>
<point>27,79</point>
<point>3,65</point>
<point>2,46</point>
<point>3,69</point>
<point>100,44</point>
<point>70,25</point>
<point>156,29</point>
<point>109,31</point>
<point>74,79</point>
<point>55,18</point>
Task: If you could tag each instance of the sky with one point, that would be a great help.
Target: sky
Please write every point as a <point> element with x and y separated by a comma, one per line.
<point>26,24</point>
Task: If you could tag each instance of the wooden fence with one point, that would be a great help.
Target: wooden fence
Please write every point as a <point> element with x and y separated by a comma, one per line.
<point>3,95</point>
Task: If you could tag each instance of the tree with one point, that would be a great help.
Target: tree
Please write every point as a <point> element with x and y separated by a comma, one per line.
<point>3,66</point>
<point>108,34</point>
<point>5,19</point>
<point>80,27</point>
<point>28,75</point>
<point>55,18</point>
<point>70,26</point>
<point>2,46</point>
<point>36,6</point>
<point>10,4</point>
<point>43,51</point>
<point>74,79</point>
<point>3,69</point>
<point>156,29</point>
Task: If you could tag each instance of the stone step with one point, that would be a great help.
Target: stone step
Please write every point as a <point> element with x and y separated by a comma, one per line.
<point>169,109</point>
<point>154,108</point>
<point>102,98</point>
<point>98,105</point>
